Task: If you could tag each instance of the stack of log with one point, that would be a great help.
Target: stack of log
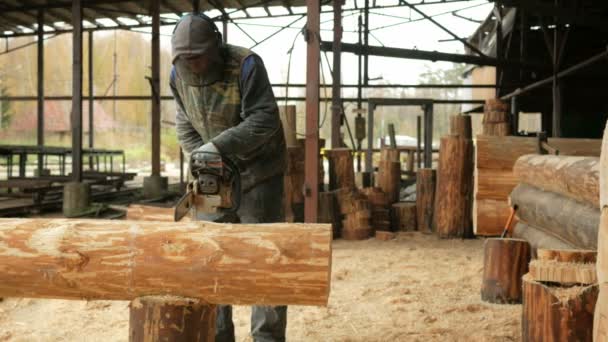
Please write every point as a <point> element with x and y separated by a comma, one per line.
<point>356,213</point>
<point>452,211</point>
<point>559,296</point>
<point>600,331</point>
<point>379,204</point>
<point>494,178</point>
<point>389,173</point>
<point>496,118</point>
<point>557,201</point>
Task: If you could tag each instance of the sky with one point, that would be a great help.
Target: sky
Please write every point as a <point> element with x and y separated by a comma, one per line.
<point>418,34</point>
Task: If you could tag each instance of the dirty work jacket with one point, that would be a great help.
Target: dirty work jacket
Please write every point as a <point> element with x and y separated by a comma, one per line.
<point>238,114</point>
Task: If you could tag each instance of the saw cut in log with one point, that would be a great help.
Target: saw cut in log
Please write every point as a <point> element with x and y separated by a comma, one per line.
<point>453,208</point>
<point>573,177</point>
<point>169,318</point>
<point>505,261</point>
<point>265,264</point>
<point>136,212</point>
<point>557,313</point>
<point>565,218</point>
<point>425,199</point>
<point>563,272</point>
<point>538,238</point>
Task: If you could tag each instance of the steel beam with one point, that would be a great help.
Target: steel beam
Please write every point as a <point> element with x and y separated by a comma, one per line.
<point>311,162</point>
<point>40,94</point>
<point>91,103</point>
<point>155,13</point>
<point>336,103</point>
<point>77,91</point>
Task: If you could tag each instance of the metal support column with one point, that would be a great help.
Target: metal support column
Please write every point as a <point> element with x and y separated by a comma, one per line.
<point>77,91</point>
<point>370,137</point>
<point>428,136</point>
<point>155,13</point>
<point>225,30</point>
<point>418,141</point>
<point>311,160</point>
<point>499,46</point>
<point>336,102</point>
<point>556,84</point>
<point>40,100</point>
<point>366,43</point>
<point>91,93</point>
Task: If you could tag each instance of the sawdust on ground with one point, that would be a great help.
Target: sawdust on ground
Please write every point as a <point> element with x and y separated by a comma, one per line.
<point>414,288</point>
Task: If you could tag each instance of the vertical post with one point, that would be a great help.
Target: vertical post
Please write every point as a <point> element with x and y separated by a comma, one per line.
<point>195,6</point>
<point>371,106</point>
<point>499,48</point>
<point>91,116</point>
<point>225,30</point>
<point>336,105</point>
<point>514,115</point>
<point>311,159</point>
<point>556,85</point>
<point>359,74</point>
<point>154,9</point>
<point>40,129</point>
<point>523,42</point>
<point>77,91</point>
<point>418,141</point>
<point>366,43</point>
<point>181,167</point>
<point>428,135</point>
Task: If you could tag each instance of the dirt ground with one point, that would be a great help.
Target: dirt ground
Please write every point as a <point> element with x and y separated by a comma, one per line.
<point>414,288</point>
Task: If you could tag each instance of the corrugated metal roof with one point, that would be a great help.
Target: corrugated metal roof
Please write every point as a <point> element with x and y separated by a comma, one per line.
<point>20,16</point>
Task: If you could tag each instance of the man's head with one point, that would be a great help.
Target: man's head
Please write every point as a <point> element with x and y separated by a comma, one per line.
<point>195,48</point>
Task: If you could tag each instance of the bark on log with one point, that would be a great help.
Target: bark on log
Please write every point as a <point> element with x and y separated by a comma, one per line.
<point>389,179</point>
<point>554,313</point>
<point>341,168</point>
<point>425,199</point>
<point>574,177</point>
<point>288,120</point>
<point>539,238</point>
<point>568,219</point>
<point>505,261</point>
<point>136,212</point>
<point>452,216</point>
<point>266,264</point>
<point>461,125</point>
<point>404,216</point>
<point>169,318</point>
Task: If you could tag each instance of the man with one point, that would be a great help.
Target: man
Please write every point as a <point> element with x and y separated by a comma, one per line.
<point>225,105</point>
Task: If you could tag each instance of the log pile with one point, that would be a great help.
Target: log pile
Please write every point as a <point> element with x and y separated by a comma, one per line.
<point>496,118</point>
<point>452,212</point>
<point>379,203</point>
<point>356,213</point>
<point>494,179</point>
<point>559,297</point>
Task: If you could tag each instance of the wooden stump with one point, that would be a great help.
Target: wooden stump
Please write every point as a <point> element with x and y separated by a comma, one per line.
<point>556,313</point>
<point>505,261</point>
<point>461,125</point>
<point>404,216</point>
<point>169,318</point>
<point>425,198</point>
<point>329,212</point>
<point>389,179</point>
<point>453,209</point>
<point>341,168</point>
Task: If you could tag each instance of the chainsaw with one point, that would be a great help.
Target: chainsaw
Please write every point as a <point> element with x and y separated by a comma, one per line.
<point>214,194</point>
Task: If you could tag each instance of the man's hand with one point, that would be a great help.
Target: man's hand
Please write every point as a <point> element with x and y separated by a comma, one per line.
<point>205,153</point>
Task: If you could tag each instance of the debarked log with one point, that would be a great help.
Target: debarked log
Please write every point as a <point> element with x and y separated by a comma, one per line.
<point>267,264</point>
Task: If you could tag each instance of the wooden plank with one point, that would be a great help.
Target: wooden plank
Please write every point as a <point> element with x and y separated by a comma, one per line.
<point>495,184</point>
<point>265,264</point>
<point>495,152</point>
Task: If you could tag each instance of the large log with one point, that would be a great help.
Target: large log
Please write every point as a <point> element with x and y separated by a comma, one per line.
<point>404,216</point>
<point>389,179</point>
<point>566,218</point>
<point>538,238</point>
<point>341,168</point>
<point>555,313</point>
<point>266,264</point>
<point>502,152</point>
<point>425,199</point>
<point>169,318</point>
<point>505,261</point>
<point>452,216</point>
<point>574,177</point>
